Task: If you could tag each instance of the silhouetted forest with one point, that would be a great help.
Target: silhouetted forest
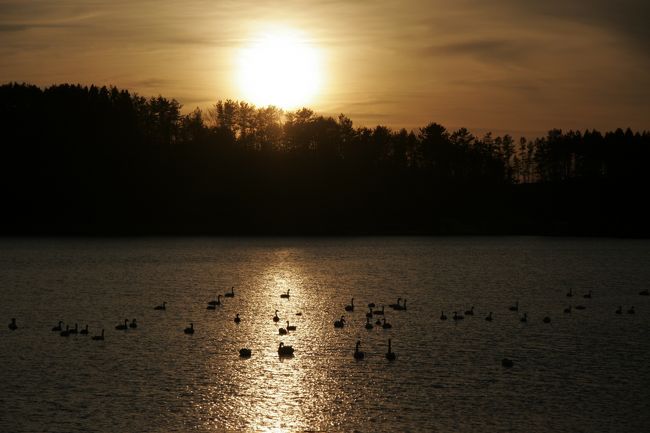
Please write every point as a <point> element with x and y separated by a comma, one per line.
<point>104,161</point>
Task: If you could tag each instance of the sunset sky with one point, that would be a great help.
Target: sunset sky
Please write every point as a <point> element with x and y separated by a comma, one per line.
<point>512,66</point>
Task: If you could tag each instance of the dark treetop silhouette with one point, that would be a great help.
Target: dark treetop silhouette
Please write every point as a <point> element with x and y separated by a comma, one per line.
<point>91,160</point>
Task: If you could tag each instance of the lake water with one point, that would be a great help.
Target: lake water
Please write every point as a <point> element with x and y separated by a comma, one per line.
<point>585,371</point>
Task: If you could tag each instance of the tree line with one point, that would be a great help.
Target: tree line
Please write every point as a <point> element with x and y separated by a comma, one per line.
<point>102,160</point>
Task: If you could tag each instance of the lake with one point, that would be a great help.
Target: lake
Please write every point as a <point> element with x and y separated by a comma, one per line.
<point>584,371</point>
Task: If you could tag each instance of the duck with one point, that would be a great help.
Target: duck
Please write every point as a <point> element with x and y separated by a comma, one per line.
<point>123,327</point>
<point>358,354</point>
<point>245,353</point>
<point>390,355</point>
<point>514,307</point>
<point>580,307</point>
<point>457,316</point>
<point>75,330</point>
<point>339,323</point>
<point>57,328</point>
<point>443,316</point>
<point>644,292</point>
<point>619,310</point>
<point>189,330</point>
<point>133,324</point>
<point>237,319</point>
<point>290,328</point>
<point>380,312</point>
<point>631,310</point>
<point>351,306</point>
<point>397,305</point>
<point>470,312</point>
<point>508,363</point>
<point>569,293</point>
<point>216,301</point>
<point>163,306</point>
<point>546,319</point>
<point>66,332</point>
<point>489,317</point>
<point>368,324</point>
<point>230,294</point>
<point>98,337</point>
<point>386,325</point>
<point>524,318</point>
<point>285,350</point>
<point>13,325</point>
<point>276,318</point>
<point>587,295</point>
<point>84,331</point>
<point>285,295</point>
<point>568,309</point>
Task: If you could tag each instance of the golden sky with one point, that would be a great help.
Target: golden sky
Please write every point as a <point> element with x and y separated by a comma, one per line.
<point>512,66</point>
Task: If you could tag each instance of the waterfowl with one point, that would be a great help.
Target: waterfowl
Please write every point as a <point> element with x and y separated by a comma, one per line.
<point>546,319</point>
<point>245,353</point>
<point>397,305</point>
<point>298,314</point>
<point>290,328</point>
<point>443,316</point>
<point>276,318</point>
<point>587,295</point>
<point>514,307</point>
<point>133,324</point>
<point>358,354</point>
<point>13,325</point>
<point>285,295</point>
<point>457,316</point>
<point>507,362</point>
<point>237,319</point>
<point>644,292</point>
<point>630,311</point>
<point>161,307</point>
<point>351,306</point>
<point>230,294</point>
<point>98,337</point>
<point>380,312</point>
<point>390,355</point>
<point>619,310</point>
<point>189,330</point>
<point>211,307</point>
<point>580,307</point>
<point>57,328</point>
<point>66,332</point>
<point>489,317</point>
<point>84,331</point>
<point>568,309</point>
<point>378,322</point>
<point>339,323</point>
<point>569,293</point>
<point>369,313</point>
<point>282,331</point>
<point>215,302</point>
<point>123,327</point>
<point>285,350</point>
<point>371,305</point>
<point>470,312</point>
<point>368,324</point>
<point>401,307</point>
<point>386,325</point>
<point>75,330</point>
<point>524,318</point>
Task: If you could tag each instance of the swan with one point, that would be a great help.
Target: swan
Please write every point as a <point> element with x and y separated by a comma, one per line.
<point>386,325</point>
<point>276,318</point>
<point>57,328</point>
<point>489,317</point>
<point>568,309</point>
<point>189,330</point>
<point>65,333</point>
<point>371,305</point>
<point>587,296</point>
<point>580,307</point>
<point>290,328</point>
<point>524,318</point>
<point>507,362</point>
<point>161,307</point>
<point>368,324</point>
<point>378,322</point>
<point>396,306</point>
<point>470,312</point>
<point>630,311</point>
<point>84,331</point>
<point>390,355</point>
<point>546,319</point>
<point>245,353</point>
<point>380,312</point>
<point>457,316</point>
<point>285,295</point>
<point>644,292</point>
<point>351,306</point>
<point>211,307</point>
<point>282,331</point>
<point>403,306</point>
<point>230,294</point>
<point>569,293</point>
<point>369,313</point>
<point>123,327</point>
<point>443,316</point>
<point>619,310</point>
<point>98,337</point>
<point>133,324</point>
<point>514,307</point>
<point>339,323</point>
<point>13,325</point>
<point>358,354</point>
<point>285,350</point>
<point>237,319</point>
<point>75,330</point>
<point>215,302</point>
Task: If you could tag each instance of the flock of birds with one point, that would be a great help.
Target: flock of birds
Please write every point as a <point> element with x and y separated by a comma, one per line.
<point>287,351</point>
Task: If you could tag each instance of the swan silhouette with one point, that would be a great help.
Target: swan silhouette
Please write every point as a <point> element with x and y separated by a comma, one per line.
<point>380,312</point>
<point>457,316</point>
<point>569,293</point>
<point>619,310</point>
<point>507,362</point>
<point>215,302</point>
<point>378,322</point>
<point>644,292</point>
<point>57,328</point>
<point>211,307</point>
<point>282,331</point>
<point>339,323</point>
<point>351,306</point>
<point>514,307</point>
<point>13,325</point>
<point>75,330</point>
<point>580,307</point>
<point>230,294</point>
<point>123,327</point>
<point>276,318</point>
<point>371,305</point>
<point>285,295</point>
<point>369,313</point>
<point>368,324</point>
<point>470,312</point>
<point>161,307</point>
<point>390,355</point>
<point>98,337</point>
<point>189,330</point>
<point>386,325</point>
<point>397,305</point>
<point>588,295</point>
<point>133,324</point>
<point>630,311</point>
<point>524,318</point>
<point>489,317</point>
<point>568,309</point>
<point>402,307</point>
<point>84,331</point>
<point>546,319</point>
<point>237,319</point>
<point>245,353</point>
<point>443,316</point>
<point>285,350</point>
<point>290,328</point>
<point>66,332</point>
<point>358,354</point>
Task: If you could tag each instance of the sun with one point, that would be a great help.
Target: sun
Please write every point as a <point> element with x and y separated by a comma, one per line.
<point>280,68</point>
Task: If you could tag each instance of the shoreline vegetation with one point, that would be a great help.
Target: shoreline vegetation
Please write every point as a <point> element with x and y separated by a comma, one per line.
<point>79,160</point>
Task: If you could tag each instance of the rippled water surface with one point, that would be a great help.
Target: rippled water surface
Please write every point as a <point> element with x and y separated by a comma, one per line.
<point>585,371</point>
